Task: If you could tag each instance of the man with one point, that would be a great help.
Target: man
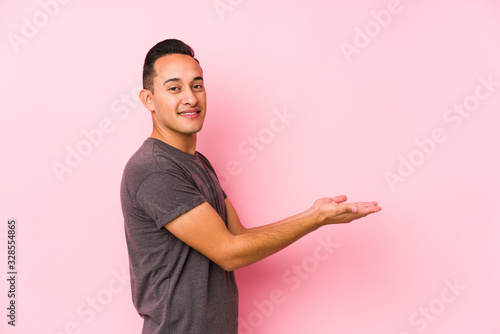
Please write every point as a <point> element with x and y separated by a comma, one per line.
<point>183,234</point>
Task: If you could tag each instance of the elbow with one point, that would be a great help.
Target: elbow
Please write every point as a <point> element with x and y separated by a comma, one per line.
<point>234,255</point>
<point>230,264</point>
<point>228,267</point>
<point>231,260</point>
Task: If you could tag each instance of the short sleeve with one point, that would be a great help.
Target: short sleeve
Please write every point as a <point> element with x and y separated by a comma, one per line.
<point>166,195</point>
<point>211,168</point>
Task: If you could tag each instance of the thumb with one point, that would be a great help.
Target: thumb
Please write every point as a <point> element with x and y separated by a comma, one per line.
<point>339,198</point>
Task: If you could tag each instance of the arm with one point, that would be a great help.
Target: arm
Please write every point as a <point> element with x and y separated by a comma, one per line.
<point>235,226</point>
<point>203,229</point>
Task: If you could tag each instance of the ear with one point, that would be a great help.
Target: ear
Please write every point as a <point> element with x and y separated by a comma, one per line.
<point>146,97</point>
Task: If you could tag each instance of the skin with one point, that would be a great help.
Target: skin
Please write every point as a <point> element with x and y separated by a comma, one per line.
<point>178,88</point>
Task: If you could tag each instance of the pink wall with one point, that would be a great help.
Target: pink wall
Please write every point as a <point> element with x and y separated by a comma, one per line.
<point>387,100</point>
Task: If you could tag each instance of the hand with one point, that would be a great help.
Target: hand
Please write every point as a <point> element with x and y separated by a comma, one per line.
<point>333,210</point>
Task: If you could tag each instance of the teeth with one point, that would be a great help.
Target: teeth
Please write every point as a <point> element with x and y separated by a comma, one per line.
<point>188,113</point>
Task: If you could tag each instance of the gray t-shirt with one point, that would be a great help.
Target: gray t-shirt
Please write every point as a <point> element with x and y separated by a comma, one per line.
<point>176,289</point>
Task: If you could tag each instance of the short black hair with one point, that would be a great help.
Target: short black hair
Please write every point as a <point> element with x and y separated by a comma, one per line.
<point>163,48</point>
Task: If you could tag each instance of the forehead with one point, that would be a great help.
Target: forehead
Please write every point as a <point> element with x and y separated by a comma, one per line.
<point>179,66</point>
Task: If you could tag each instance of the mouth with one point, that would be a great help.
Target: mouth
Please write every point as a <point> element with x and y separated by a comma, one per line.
<point>191,113</point>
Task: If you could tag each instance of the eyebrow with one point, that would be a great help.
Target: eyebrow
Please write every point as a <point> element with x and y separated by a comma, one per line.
<point>177,79</point>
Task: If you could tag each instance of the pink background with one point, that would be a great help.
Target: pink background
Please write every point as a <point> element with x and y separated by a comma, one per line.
<point>368,94</point>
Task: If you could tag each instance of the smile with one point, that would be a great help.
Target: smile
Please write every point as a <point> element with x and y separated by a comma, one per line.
<point>189,112</point>
<point>193,113</point>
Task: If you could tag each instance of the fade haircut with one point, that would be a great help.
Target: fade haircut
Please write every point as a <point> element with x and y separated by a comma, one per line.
<point>163,48</point>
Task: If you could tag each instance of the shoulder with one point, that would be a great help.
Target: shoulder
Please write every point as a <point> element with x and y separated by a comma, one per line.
<point>147,161</point>
<point>152,156</point>
<point>142,161</point>
<point>205,161</point>
<point>157,159</point>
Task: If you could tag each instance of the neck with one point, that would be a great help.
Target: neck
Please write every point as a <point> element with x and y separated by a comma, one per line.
<point>183,142</point>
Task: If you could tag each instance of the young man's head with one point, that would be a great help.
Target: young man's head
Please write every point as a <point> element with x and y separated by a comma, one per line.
<point>174,91</point>
<point>163,48</point>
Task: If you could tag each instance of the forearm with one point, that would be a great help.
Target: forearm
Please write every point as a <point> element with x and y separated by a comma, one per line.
<point>284,221</point>
<point>261,242</point>
<point>232,246</point>
<point>236,228</point>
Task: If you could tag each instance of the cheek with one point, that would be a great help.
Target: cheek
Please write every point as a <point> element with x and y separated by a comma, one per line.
<point>167,105</point>
<point>202,98</point>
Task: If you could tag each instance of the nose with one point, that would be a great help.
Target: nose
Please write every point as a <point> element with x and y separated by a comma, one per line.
<point>189,98</point>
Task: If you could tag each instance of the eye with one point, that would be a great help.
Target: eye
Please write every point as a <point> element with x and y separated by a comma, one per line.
<point>173,89</point>
<point>198,86</point>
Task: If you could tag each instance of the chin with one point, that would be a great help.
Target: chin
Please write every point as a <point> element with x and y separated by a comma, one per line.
<point>193,131</point>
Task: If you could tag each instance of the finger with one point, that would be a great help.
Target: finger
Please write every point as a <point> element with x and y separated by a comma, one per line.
<point>345,209</point>
<point>369,209</point>
<point>339,198</point>
<point>363,203</point>
<point>363,210</point>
